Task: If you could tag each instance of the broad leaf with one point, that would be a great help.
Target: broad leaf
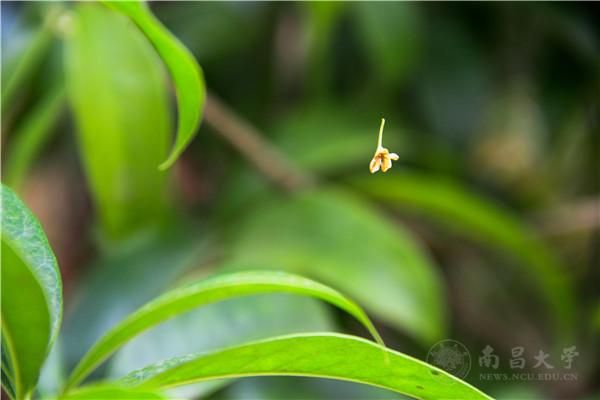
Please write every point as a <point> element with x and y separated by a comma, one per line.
<point>332,356</point>
<point>185,72</point>
<point>481,221</point>
<point>31,296</point>
<point>118,92</point>
<point>207,291</point>
<point>334,237</point>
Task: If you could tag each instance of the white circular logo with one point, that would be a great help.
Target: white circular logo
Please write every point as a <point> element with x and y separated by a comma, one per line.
<point>451,356</point>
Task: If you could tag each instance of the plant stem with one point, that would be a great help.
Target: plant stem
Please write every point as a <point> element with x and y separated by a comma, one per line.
<point>251,143</point>
<point>380,141</point>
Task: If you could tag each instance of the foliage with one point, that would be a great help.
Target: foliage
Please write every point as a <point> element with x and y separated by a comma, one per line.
<point>114,108</point>
<point>29,263</point>
<point>484,222</point>
<point>340,357</point>
<point>379,256</point>
<point>30,323</point>
<point>184,69</point>
<point>181,280</point>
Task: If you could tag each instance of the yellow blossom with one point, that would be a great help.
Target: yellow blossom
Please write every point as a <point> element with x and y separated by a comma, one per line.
<point>382,158</point>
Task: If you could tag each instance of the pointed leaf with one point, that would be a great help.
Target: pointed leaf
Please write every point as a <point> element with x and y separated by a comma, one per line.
<point>30,322</point>
<point>332,356</point>
<point>224,324</point>
<point>208,291</point>
<point>185,72</point>
<point>118,91</point>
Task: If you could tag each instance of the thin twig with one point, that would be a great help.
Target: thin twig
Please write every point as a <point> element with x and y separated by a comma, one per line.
<point>251,143</point>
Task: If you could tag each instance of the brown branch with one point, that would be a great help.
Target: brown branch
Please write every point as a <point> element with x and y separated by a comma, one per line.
<point>251,143</point>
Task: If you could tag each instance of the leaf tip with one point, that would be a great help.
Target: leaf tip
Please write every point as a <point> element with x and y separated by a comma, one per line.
<point>168,163</point>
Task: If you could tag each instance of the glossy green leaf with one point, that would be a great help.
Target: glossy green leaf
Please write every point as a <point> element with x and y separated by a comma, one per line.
<point>224,324</point>
<point>333,356</point>
<point>30,322</point>
<point>163,260</point>
<point>25,325</point>
<point>207,291</point>
<point>107,391</point>
<point>118,91</point>
<point>481,221</point>
<point>32,135</point>
<point>336,238</point>
<point>185,72</point>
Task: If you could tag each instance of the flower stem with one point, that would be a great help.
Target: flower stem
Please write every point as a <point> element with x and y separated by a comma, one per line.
<point>379,142</point>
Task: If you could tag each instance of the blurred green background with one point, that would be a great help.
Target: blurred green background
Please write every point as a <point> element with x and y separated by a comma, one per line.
<point>485,231</point>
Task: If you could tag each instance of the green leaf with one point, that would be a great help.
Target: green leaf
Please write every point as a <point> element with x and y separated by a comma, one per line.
<point>228,323</point>
<point>336,238</point>
<point>30,322</point>
<point>333,356</point>
<point>8,373</point>
<point>25,325</point>
<point>32,135</point>
<point>185,72</point>
<point>155,264</point>
<point>106,391</point>
<point>208,291</point>
<point>481,221</point>
<point>118,91</point>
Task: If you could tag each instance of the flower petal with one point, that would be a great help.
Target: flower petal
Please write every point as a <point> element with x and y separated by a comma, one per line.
<point>394,156</point>
<point>375,164</point>
<point>386,164</point>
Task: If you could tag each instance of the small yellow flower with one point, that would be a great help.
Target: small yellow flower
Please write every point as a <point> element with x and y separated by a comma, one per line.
<point>382,158</point>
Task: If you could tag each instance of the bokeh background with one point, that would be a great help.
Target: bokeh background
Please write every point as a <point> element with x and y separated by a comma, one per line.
<point>485,231</point>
